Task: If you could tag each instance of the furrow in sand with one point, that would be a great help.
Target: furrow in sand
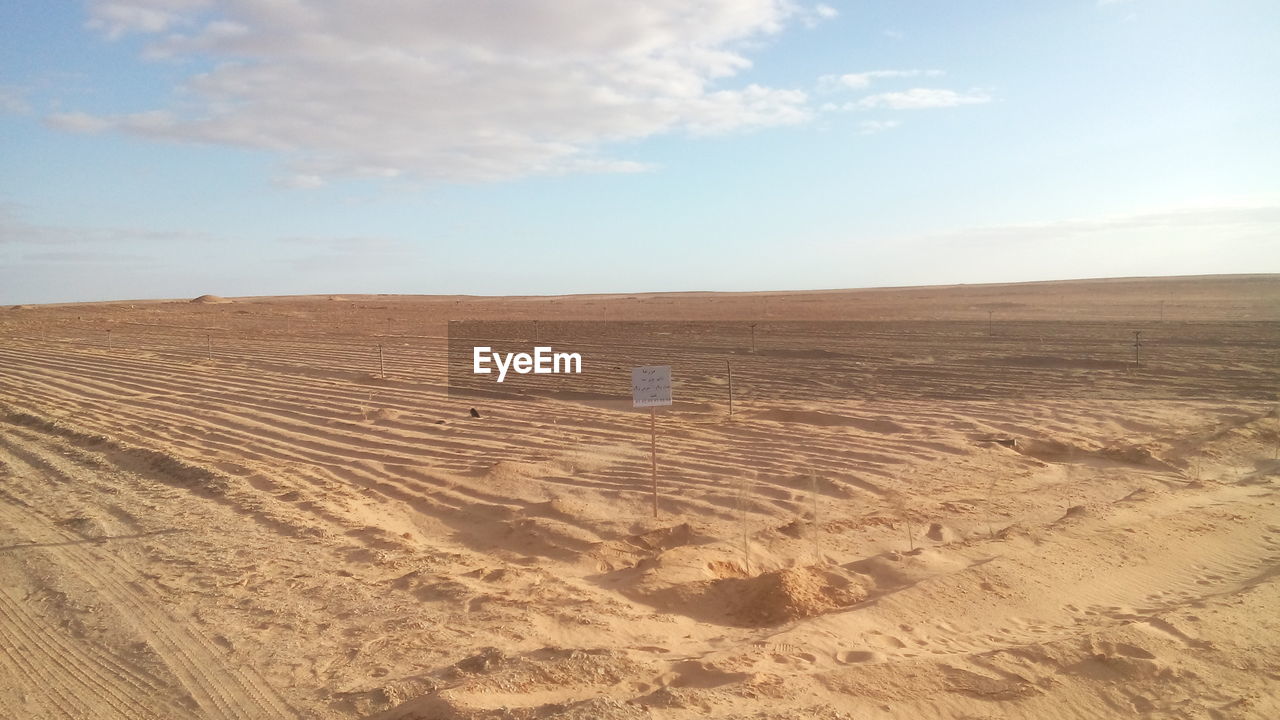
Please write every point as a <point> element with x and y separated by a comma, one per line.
<point>305,424</point>
<point>236,501</point>
<point>292,446</point>
<point>260,431</point>
<point>156,379</point>
<point>325,439</point>
<point>416,489</point>
<point>148,370</point>
<point>281,448</point>
<point>283,412</point>
<point>286,447</point>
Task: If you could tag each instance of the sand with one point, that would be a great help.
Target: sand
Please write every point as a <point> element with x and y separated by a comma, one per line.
<point>958,502</point>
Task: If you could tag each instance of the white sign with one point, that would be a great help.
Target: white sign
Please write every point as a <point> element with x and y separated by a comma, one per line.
<point>651,386</point>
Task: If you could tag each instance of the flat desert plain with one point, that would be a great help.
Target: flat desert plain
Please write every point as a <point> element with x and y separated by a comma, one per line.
<point>945,502</point>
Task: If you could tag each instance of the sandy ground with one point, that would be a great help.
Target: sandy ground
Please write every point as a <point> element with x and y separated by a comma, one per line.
<point>957,502</point>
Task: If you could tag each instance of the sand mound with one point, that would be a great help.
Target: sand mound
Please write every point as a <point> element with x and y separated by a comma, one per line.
<point>767,599</point>
<point>209,300</point>
<point>663,538</point>
<point>1073,513</point>
<point>893,571</point>
<point>20,307</point>
<point>633,550</point>
<point>1058,451</point>
<point>940,533</point>
<point>86,526</point>
<point>790,594</point>
<point>1133,454</point>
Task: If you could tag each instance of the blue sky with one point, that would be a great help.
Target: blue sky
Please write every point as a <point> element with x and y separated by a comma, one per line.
<point>170,148</point>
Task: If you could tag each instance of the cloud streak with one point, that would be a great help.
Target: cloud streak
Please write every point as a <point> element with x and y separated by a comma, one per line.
<point>871,127</point>
<point>13,100</point>
<point>1227,235</point>
<point>1247,220</point>
<point>863,80</point>
<point>923,99</point>
<point>18,233</point>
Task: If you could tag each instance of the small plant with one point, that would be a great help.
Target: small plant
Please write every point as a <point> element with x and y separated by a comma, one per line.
<point>991,492</point>
<point>742,518</point>
<point>813,498</point>
<point>902,507</point>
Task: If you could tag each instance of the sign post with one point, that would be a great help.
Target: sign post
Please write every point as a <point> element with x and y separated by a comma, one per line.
<point>651,388</point>
<point>729,366</point>
<point>653,455</point>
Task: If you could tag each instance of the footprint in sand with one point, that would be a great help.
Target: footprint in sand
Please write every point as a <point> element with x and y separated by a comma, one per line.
<point>794,659</point>
<point>852,657</point>
<point>878,639</point>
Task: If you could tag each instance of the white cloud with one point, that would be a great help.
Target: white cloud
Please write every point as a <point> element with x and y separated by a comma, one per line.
<point>871,127</point>
<point>818,14</point>
<point>754,106</point>
<point>117,19</point>
<point>863,80</point>
<point>301,181</point>
<point>923,99</point>
<point>13,100</point>
<point>453,89</point>
<point>77,122</point>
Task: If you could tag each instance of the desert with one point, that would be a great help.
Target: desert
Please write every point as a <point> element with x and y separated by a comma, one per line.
<point>972,501</point>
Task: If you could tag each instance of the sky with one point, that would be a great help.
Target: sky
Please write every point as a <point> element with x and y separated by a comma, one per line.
<point>172,148</point>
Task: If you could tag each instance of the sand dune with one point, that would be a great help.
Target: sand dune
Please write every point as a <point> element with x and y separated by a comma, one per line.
<point>929,502</point>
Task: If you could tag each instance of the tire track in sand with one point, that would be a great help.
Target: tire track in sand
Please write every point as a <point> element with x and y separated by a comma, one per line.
<point>221,691</point>
<point>55,664</point>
